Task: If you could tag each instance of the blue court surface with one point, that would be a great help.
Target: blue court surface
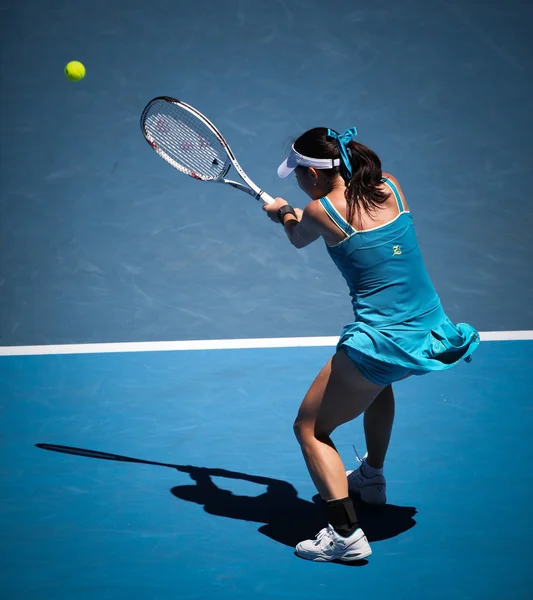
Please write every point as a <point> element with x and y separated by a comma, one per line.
<point>157,334</point>
<point>217,495</point>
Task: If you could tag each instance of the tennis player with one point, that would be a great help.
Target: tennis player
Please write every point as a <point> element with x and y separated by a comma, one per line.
<point>400,328</point>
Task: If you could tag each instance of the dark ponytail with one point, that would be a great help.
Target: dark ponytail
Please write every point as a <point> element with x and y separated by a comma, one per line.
<point>362,187</point>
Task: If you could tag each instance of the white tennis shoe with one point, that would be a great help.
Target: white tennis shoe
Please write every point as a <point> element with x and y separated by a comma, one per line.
<point>372,490</point>
<point>329,545</point>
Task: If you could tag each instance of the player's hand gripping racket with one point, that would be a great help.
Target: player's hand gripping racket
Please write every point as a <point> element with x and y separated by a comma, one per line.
<point>188,141</point>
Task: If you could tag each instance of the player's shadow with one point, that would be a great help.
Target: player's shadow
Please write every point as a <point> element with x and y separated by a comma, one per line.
<point>286,517</point>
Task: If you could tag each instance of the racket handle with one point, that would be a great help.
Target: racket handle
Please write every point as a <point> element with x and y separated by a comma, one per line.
<point>264,197</point>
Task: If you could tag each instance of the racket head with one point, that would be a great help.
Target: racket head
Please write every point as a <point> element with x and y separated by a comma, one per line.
<point>185,139</point>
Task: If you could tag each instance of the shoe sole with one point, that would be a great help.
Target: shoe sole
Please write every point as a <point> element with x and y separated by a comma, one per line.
<point>349,557</point>
<point>359,556</point>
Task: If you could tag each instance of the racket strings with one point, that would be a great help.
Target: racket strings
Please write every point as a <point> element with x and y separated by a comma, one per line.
<point>185,141</point>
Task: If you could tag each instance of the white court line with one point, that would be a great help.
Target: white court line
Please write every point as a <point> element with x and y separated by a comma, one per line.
<point>290,342</point>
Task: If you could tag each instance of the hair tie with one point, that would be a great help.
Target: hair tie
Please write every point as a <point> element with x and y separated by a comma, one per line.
<point>343,139</point>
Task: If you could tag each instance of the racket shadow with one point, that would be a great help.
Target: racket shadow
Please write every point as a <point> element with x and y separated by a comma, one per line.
<point>286,518</point>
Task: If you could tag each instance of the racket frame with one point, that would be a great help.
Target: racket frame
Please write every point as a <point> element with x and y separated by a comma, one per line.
<point>250,188</point>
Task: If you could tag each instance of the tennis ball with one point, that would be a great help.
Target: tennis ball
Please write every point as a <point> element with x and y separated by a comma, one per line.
<point>74,71</point>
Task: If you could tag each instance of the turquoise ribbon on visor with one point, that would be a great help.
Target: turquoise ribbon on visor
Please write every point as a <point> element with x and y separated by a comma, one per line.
<point>343,139</point>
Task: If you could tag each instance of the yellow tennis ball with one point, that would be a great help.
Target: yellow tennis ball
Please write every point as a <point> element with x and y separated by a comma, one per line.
<point>75,71</point>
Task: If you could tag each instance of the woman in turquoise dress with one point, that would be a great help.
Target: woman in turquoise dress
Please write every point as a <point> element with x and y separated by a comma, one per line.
<point>399,328</point>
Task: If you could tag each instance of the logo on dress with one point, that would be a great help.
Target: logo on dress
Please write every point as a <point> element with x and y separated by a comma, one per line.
<point>396,250</point>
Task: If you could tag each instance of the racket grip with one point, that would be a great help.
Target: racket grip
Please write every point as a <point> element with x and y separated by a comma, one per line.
<point>264,197</point>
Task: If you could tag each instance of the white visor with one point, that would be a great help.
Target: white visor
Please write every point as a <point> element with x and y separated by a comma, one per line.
<point>296,159</point>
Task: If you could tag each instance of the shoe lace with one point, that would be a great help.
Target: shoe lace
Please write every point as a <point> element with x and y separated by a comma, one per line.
<point>361,460</point>
<point>326,532</point>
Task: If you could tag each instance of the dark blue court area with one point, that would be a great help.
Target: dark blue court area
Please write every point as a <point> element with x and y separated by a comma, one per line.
<point>129,474</point>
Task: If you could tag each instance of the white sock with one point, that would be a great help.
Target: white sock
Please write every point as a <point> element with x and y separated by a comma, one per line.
<point>369,471</point>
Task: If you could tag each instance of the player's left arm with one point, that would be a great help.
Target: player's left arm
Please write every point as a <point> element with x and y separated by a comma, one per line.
<point>305,229</point>
<point>302,229</point>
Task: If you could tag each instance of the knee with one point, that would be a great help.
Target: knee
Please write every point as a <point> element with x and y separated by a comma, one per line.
<point>306,431</point>
<point>303,430</point>
<point>298,428</point>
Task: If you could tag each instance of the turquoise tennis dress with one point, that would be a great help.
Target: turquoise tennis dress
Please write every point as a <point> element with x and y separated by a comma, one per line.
<point>400,328</point>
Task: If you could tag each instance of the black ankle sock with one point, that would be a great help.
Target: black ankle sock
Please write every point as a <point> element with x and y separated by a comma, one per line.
<point>341,516</point>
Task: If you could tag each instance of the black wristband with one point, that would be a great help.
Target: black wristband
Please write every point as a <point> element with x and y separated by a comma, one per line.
<point>286,209</point>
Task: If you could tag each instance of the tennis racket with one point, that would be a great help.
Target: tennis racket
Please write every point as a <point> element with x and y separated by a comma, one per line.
<point>188,141</point>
